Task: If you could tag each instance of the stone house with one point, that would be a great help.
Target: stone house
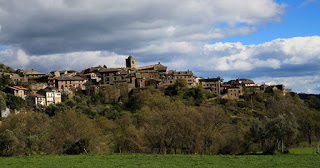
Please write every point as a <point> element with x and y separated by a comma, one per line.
<point>234,92</point>
<point>187,75</point>
<point>51,77</point>
<point>156,71</point>
<point>110,76</point>
<point>241,82</point>
<point>276,88</point>
<point>31,76</point>
<point>212,85</point>
<point>18,91</point>
<point>70,83</point>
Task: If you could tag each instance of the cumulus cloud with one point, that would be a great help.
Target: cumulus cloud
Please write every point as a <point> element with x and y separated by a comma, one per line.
<point>42,27</point>
<point>67,61</point>
<point>274,54</point>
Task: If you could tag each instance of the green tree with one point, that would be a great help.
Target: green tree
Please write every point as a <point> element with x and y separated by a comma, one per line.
<point>26,133</point>
<point>111,94</point>
<point>9,144</point>
<point>127,138</point>
<point>2,101</point>
<point>282,131</point>
<point>15,102</point>
<point>74,133</point>
<point>180,84</point>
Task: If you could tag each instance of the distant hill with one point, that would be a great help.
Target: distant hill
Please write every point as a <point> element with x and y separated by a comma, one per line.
<point>304,96</point>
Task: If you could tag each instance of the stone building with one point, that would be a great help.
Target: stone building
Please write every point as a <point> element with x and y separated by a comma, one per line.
<point>157,67</point>
<point>69,83</point>
<point>187,75</point>
<point>31,76</point>
<point>276,88</point>
<point>171,77</point>
<point>212,85</point>
<point>234,92</point>
<point>111,76</point>
<point>131,62</point>
<point>18,91</point>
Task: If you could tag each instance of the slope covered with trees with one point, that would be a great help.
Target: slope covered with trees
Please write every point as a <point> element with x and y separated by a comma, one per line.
<point>178,120</point>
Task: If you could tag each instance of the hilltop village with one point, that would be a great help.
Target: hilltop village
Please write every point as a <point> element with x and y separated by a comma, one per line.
<point>148,109</point>
<point>45,89</point>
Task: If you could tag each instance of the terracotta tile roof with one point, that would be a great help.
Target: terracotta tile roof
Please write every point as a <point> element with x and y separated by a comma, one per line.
<point>18,88</point>
<point>170,71</point>
<point>37,95</point>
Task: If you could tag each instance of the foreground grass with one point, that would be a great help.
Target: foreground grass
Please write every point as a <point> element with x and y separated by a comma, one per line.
<point>141,160</point>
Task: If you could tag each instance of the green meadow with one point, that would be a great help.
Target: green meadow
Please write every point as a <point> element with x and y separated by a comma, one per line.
<point>298,158</point>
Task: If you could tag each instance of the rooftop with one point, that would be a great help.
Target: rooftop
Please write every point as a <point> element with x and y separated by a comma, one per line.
<point>74,78</point>
<point>37,95</point>
<point>110,70</point>
<point>18,88</point>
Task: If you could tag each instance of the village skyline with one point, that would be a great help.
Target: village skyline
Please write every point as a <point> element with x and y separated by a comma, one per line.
<point>269,41</point>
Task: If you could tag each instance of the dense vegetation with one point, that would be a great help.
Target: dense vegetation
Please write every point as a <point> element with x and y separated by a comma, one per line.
<point>178,120</point>
<point>140,160</point>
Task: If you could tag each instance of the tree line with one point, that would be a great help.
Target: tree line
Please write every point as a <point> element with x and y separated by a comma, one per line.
<point>178,120</point>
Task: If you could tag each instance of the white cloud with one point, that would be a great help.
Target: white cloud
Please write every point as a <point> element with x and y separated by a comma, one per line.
<point>299,84</point>
<point>76,60</point>
<point>171,30</point>
<point>48,26</point>
<point>273,54</point>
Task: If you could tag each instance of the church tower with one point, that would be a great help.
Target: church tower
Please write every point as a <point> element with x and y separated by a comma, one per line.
<point>130,62</point>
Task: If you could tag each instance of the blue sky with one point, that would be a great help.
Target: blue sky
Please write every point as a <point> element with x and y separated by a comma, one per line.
<point>298,20</point>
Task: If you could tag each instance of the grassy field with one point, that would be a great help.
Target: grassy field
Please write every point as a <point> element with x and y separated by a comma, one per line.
<point>141,160</point>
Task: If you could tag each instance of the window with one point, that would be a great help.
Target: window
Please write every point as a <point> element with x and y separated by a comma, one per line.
<point>107,79</point>
<point>114,78</point>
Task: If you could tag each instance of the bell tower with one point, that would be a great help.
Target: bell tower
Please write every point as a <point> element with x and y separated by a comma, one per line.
<point>130,62</point>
